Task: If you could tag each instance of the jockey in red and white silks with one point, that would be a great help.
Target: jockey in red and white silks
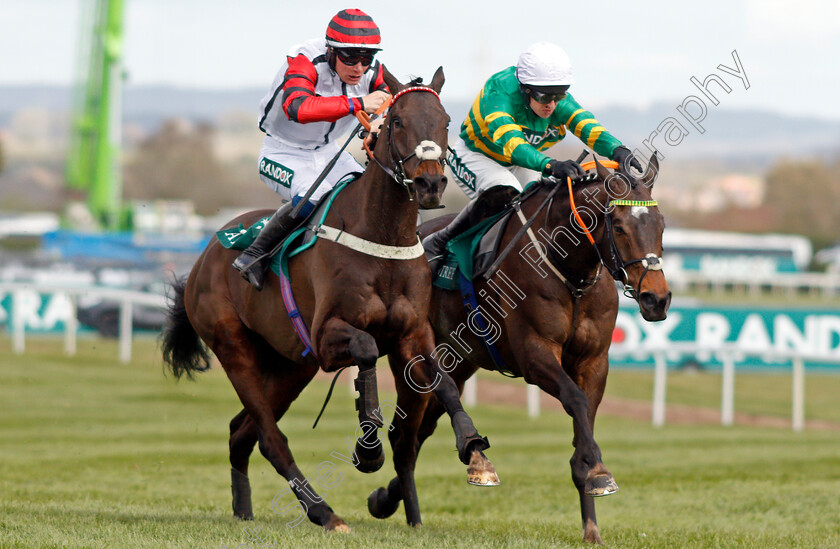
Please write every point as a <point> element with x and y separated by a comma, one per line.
<point>308,108</point>
<point>311,104</point>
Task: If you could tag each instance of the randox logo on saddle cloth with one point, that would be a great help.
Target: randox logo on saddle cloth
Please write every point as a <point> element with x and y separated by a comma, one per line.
<point>239,238</point>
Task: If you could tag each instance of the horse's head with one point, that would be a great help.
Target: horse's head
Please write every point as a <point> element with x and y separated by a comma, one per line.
<point>631,243</point>
<point>414,141</point>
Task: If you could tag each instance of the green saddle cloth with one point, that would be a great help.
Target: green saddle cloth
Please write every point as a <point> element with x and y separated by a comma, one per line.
<point>239,238</point>
<point>460,252</point>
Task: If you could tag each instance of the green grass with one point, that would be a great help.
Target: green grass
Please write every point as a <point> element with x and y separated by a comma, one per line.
<point>99,454</point>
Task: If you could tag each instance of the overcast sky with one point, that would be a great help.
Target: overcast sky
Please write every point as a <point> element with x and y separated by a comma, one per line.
<point>623,52</point>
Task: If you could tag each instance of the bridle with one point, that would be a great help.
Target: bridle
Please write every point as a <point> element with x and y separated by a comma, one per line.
<point>650,262</point>
<point>426,150</point>
<point>618,269</point>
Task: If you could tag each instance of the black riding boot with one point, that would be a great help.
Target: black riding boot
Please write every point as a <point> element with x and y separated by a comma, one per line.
<point>253,261</point>
<point>490,202</point>
<point>435,243</point>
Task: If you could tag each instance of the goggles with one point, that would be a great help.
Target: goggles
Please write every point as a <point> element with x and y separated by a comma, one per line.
<point>546,98</point>
<point>352,57</point>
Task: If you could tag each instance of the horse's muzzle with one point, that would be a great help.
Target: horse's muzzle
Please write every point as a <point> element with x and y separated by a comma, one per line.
<point>654,307</point>
<point>429,189</point>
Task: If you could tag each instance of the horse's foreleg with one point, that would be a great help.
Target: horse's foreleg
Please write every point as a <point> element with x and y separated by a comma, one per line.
<point>592,379</point>
<point>340,338</point>
<point>423,374</point>
<point>409,414</point>
<point>383,502</point>
<point>261,398</point>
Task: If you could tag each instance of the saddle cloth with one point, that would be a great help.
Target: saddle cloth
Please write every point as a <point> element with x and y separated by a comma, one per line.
<point>472,252</point>
<point>239,238</point>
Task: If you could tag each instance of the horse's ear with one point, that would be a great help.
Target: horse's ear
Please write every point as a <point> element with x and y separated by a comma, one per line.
<point>652,171</point>
<point>603,173</point>
<point>391,81</point>
<point>437,80</point>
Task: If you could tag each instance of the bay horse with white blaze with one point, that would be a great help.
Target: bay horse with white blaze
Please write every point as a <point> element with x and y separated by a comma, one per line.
<point>554,312</point>
<point>358,308</point>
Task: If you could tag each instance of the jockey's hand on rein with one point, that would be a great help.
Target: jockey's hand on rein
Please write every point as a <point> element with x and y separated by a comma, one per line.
<point>625,159</point>
<point>561,169</point>
<point>372,101</point>
<point>371,135</point>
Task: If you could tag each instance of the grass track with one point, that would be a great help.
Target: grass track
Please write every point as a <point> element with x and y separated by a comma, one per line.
<point>97,454</point>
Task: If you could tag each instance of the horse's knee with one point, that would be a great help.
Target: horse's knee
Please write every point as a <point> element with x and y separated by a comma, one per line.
<point>269,443</point>
<point>237,421</point>
<point>363,349</point>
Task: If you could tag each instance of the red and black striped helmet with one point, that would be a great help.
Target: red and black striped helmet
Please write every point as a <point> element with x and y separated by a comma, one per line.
<point>353,29</point>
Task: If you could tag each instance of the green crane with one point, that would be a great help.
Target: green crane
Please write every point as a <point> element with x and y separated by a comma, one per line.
<point>93,163</point>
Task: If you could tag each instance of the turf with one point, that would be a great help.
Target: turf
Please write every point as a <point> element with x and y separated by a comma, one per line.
<point>99,454</point>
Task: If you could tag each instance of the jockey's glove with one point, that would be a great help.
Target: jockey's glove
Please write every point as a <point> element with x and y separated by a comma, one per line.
<point>625,159</point>
<point>561,169</point>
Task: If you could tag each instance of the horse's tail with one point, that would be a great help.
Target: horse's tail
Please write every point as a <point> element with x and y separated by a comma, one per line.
<point>183,350</point>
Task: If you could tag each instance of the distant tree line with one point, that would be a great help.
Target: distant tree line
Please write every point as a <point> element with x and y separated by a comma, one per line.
<point>801,197</point>
<point>179,162</point>
<point>804,197</point>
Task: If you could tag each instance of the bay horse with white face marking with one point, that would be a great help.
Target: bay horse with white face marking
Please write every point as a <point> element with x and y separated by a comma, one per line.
<point>358,308</point>
<point>555,315</point>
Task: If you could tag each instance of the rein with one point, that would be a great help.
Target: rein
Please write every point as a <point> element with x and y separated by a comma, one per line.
<point>426,150</point>
<point>618,270</point>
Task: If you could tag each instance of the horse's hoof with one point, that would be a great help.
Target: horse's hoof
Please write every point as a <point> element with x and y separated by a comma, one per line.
<point>379,505</point>
<point>481,472</point>
<point>369,460</point>
<point>591,533</point>
<point>336,525</point>
<point>600,485</point>
<point>243,516</point>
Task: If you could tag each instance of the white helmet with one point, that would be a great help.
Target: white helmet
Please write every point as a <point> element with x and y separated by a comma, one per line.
<point>544,64</point>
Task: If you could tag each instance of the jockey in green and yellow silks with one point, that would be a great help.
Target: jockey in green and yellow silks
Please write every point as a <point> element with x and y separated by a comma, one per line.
<point>520,112</point>
<point>502,126</point>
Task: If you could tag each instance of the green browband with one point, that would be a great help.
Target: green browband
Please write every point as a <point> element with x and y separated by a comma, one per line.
<point>645,203</point>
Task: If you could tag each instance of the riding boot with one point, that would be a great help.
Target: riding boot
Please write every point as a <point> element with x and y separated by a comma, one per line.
<point>254,261</point>
<point>435,243</point>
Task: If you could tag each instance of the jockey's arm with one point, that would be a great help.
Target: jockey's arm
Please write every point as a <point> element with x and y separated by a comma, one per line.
<point>495,132</point>
<point>585,127</point>
<point>301,104</point>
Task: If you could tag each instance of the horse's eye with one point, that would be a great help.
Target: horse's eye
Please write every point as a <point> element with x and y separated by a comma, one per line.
<point>619,229</point>
<point>397,123</point>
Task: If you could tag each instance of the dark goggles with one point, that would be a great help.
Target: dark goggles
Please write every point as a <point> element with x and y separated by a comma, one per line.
<point>545,98</point>
<point>352,57</point>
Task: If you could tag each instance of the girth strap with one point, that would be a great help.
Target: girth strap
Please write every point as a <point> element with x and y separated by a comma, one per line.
<point>367,247</point>
<point>576,292</point>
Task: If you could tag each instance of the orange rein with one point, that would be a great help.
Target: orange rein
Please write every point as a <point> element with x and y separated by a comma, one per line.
<point>364,119</point>
<point>586,167</point>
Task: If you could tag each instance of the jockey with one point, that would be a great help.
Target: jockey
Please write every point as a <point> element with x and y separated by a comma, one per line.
<point>520,112</point>
<point>311,103</point>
